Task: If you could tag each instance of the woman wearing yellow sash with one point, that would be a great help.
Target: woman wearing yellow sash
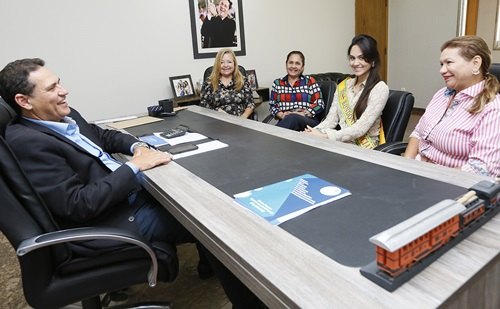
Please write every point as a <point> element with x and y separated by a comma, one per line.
<point>358,102</point>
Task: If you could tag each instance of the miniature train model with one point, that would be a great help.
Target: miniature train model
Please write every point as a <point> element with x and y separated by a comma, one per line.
<point>402,246</point>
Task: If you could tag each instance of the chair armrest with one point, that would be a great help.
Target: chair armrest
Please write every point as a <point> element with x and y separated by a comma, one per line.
<point>396,148</point>
<point>254,116</point>
<point>90,233</point>
<point>268,118</point>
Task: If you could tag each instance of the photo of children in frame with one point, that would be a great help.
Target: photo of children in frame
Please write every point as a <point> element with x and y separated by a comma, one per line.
<point>182,86</point>
<point>252,79</point>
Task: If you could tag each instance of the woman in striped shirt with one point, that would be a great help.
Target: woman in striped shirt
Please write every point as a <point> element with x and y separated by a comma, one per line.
<point>461,125</point>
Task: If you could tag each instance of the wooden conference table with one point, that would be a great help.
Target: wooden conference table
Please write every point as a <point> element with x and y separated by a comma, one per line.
<point>308,262</point>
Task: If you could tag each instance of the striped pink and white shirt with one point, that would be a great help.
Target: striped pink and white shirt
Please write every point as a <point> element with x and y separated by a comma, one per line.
<point>456,138</point>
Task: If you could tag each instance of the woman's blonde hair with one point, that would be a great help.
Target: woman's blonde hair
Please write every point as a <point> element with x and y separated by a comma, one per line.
<point>238,79</point>
<point>470,46</point>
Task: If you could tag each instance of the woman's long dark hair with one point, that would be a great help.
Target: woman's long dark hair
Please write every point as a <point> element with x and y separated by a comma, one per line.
<point>368,46</point>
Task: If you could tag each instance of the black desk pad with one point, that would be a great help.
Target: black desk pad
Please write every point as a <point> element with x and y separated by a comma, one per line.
<point>381,196</point>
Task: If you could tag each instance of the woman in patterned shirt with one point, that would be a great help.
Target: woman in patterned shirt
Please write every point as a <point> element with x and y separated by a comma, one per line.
<point>358,102</point>
<point>461,125</point>
<point>226,89</point>
<point>296,98</point>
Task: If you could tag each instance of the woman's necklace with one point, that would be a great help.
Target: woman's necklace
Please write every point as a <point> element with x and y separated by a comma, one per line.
<point>226,81</point>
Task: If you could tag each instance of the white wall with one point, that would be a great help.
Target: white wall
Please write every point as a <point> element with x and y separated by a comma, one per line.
<point>416,31</point>
<point>486,25</point>
<point>116,56</point>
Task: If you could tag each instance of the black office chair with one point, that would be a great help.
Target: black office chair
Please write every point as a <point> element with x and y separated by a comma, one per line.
<point>495,70</point>
<point>335,77</point>
<point>327,87</point>
<point>395,117</point>
<point>59,267</point>
<point>6,114</point>
<point>209,70</point>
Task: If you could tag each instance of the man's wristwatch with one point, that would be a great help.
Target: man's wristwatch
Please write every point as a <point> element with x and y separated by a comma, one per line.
<point>139,144</point>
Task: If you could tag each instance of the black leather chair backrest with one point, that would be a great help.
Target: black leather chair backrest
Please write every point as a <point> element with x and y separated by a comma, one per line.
<point>396,115</point>
<point>24,215</point>
<point>208,71</point>
<point>22,189</point>
<point>327,92</point>
<point>6,114</point>
<point>336,77</point>
<point>495,70</point>
<point>20,202</point>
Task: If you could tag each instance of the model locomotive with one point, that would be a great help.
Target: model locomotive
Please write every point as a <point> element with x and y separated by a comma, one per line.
<point>407,244</point>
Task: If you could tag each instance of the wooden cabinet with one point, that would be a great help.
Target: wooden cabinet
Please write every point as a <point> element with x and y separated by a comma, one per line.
<point>263,93</point>
<point>185,101</point>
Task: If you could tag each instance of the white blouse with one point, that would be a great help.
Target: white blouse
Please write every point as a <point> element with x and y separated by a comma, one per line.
<point>369,120</point>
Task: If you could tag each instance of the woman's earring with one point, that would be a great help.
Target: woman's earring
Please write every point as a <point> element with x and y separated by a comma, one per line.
<point>475,71</point>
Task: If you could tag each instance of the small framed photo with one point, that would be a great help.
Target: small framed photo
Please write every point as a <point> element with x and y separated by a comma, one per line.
<point>252,79</point>
<point>182,86</point>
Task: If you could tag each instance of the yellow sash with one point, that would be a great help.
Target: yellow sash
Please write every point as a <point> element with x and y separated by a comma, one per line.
<point>364,141</point>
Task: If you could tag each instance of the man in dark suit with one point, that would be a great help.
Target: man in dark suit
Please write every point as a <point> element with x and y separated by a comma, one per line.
<point>68,162</point>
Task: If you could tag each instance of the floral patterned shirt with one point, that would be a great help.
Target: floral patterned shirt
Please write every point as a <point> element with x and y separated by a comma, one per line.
<point>227,98</point>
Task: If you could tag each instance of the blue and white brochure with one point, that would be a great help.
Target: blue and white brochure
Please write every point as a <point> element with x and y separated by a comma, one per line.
<point>290,198</point>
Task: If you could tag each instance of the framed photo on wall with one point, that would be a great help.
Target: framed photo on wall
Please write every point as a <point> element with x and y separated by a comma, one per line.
<point>182,86</point>
<point>252,79</point>
<point>216,24</point>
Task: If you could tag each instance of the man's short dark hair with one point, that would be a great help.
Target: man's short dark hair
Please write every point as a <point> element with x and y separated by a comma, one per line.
<point>14,79</point>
